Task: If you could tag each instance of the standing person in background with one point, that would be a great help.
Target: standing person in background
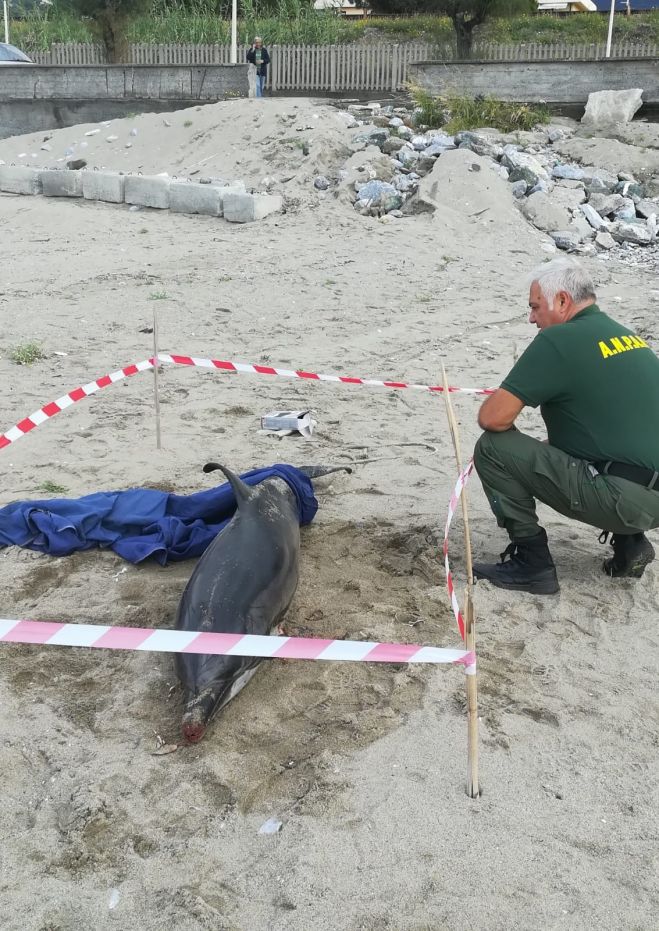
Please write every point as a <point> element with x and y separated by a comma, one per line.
<point>258,56</point>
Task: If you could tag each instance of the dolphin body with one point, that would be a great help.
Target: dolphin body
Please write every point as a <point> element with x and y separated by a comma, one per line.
<point>243,584</point>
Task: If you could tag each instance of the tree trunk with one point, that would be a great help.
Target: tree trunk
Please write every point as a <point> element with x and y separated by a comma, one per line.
<point>463,36</point>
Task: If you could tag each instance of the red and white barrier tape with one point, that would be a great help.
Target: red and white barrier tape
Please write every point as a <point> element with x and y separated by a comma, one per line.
<point>463,478</point>
<point>54,407</point>
<point>51,633</point>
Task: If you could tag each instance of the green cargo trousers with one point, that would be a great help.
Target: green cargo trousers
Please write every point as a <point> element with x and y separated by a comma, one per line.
<point>515,469</point>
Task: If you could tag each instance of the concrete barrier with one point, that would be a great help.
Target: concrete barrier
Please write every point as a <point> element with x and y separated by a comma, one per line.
<point>553,82</point>
<point>39,97</point>
<point>147,192</point>
<point>245,208</point>
<point>19,180</point>
<point>107,186</point>
<point>191,197</point>
<point>61,183</point>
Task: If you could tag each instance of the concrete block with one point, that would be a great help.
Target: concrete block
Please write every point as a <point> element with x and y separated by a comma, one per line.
<point>245,208</point>
<point>107,186</point>
<point>18,179</point>
<point>147,192</point>
<point>189,197</point>
<point>61,183</point>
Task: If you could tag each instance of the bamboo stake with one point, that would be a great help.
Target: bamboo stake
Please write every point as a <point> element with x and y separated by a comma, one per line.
<point>473,785</point>
<point>155,380</point>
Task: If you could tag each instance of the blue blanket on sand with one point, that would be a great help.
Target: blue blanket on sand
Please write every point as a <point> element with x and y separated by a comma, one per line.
<point>140,522</point>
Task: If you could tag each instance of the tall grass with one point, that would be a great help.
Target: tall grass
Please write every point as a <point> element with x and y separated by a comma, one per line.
<point>208,22</point>
<point>457,112</point>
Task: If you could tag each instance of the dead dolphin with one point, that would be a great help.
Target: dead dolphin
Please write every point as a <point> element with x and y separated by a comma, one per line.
<point>243,584</point>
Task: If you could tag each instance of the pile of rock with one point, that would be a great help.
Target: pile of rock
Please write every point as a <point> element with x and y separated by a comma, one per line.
<point>580,207</point>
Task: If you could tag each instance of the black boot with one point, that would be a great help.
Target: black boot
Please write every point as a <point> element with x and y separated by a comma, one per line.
<point>529,569</point>
<point>631,554</point>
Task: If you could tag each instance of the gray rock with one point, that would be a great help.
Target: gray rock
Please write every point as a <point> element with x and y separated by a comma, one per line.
<point>321,183</point>
<point>630,189</point>
<point>540,187</point>
<point>626,211</point>
<point>405,132</point>
<point>646,208</point>
<point>606,107</point>
<point>435,149</point>
<point>419,143</point>
<point>566,239</point>
<point>605,240</point>
<point>600,185</point>
<point>523,174</point>
<point>568,198</point>
<point>636,233</point>
<point>544,214</point>
<point>392,144</point>
<point>512,158</point>
<point>582,228</point>
<point>519,188</point>
<point>408,157</point>
<point>395,122</point>
<point>570,185</point>
<point>373,137</point>
<point>593,217</point>
<point>568,172</point>
<point>553,135</point>
<point>379,196</point>
<point>406,184</point>
<point>625,176</point>
<point>606,204</point>
<point>439,137</point>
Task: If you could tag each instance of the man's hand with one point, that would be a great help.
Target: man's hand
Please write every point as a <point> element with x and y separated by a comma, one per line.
<point>499,412</point>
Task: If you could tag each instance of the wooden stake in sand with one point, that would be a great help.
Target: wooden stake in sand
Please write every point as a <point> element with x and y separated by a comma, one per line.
<point>155,379</point>
<point>473,788</point>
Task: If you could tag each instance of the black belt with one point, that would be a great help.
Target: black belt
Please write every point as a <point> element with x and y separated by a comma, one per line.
<point>646,477</point>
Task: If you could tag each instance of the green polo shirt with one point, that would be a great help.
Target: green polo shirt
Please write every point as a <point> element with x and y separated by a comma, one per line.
<point>597,385</point>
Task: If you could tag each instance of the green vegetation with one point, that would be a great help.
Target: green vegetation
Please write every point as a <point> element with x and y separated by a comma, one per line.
<point>159,296</point>
<point>455,112</point>
<point>295,21</point>
<point>53,488</point>
<point>26,354</point>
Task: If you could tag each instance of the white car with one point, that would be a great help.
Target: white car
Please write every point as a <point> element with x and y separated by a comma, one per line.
<point>10,55</point>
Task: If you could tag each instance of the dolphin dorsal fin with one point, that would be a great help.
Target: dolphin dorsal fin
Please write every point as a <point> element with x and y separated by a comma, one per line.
<point>242,491</point>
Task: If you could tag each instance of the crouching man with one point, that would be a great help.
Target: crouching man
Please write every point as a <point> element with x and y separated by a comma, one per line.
<point>597,385</point>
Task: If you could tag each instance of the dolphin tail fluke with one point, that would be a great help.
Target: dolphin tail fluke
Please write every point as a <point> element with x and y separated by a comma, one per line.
<point>242,491</point>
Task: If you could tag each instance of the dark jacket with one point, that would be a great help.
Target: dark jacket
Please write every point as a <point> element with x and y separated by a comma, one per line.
<point>265,60</point>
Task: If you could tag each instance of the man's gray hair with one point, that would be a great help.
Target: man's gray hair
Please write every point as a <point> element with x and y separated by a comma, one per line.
<point>564,274</point>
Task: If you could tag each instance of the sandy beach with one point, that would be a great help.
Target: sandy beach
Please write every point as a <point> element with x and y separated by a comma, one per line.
<point>363,763</point>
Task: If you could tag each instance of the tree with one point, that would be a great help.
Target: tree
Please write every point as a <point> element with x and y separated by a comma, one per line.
<point>110,17</point>
<point>466,15</point>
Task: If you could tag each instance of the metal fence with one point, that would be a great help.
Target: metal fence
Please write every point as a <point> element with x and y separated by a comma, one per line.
<point>335,68</point>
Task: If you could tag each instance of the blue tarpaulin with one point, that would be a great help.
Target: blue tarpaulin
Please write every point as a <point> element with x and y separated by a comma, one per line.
<point>140,522</point>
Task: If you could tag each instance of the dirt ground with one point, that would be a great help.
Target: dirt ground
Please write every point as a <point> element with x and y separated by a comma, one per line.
<point>364,764</point>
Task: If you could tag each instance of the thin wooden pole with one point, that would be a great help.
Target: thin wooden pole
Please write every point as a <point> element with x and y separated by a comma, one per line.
<point>473,785</point>
<point>455,436</point>
<point>155,379</point>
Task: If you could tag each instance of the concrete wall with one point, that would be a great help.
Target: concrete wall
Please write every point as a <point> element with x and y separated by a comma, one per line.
<point>36,97</point>
<point>555,82</point>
